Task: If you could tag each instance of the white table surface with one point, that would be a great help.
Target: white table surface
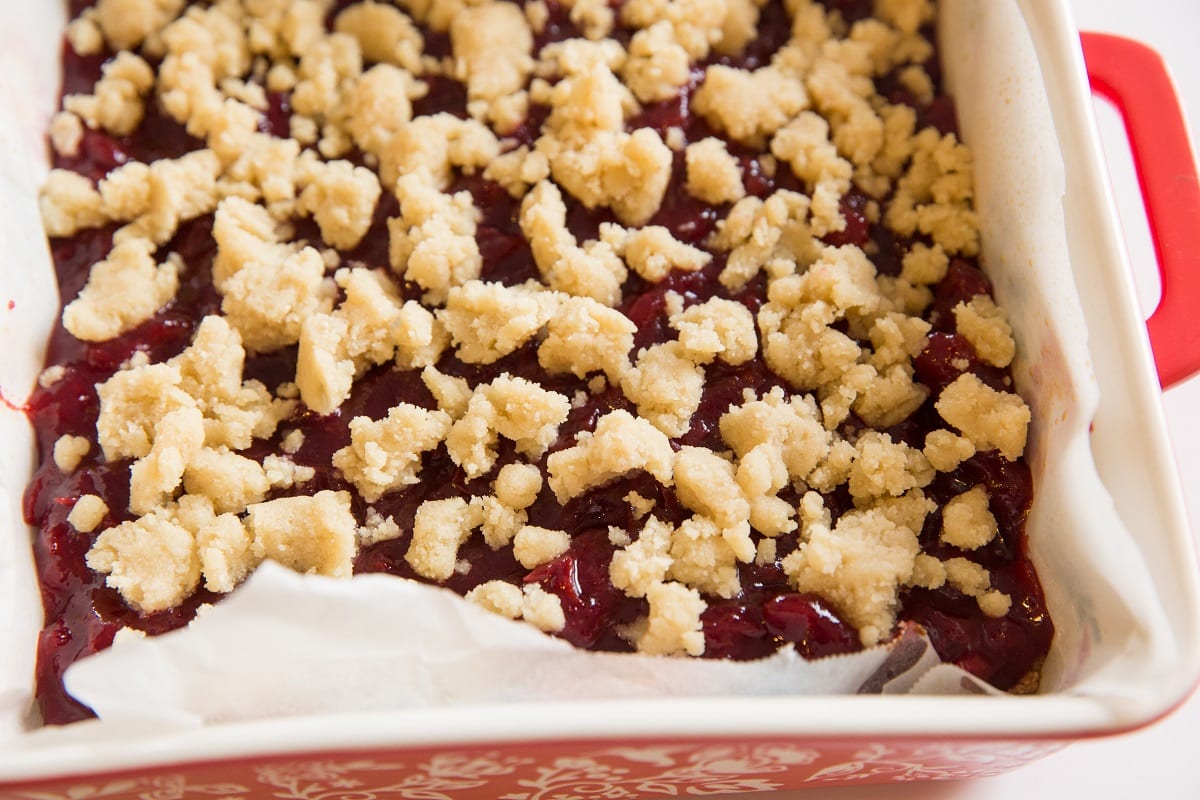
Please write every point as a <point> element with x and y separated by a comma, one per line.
<point>1162,761</point>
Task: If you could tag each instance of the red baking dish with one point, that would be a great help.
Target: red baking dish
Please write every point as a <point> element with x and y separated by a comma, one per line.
<point>1113,668</point>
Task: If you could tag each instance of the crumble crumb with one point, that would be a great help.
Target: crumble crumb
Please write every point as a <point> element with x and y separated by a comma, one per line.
<point>804,144</point>
<point>767,552</point>
<point>514,408</point>
<point>757,232</point>
<point>888,397</point>
<point>293,440</point>
<point>652,251</point>
<point>994,603</point>
<point>749,106</point>
<point>487,321</point>
<point>642,563</point>
<point>641,506</point>
<point>717,329</point>
<point>946,450</point>
<point>885,467</point>
<point>386,454</point>
<point>181,189</point>
<point>439,529</point>
<point>518,169</point>
<point>593,270</point>
<point>713,175</point>
<point>534,546</point>
<point>704,556</point>
<point>116,105</point>
<point>269,301</point>
<point>70,203</point>
<point>385,34</point>
<point>377,528</point>
<point>128,23</point>
<point>308,534</point>
<point>122,291</point>
<point>517,485</point>
<point>934,195</point>
<point>859,566</point>
<point>968,577</point>
<point>974,581</point>
<point>967,522</point>
<point>666,387</point>
<point>532,603</point>
<point>542,609</point>
<point>988,418</point>
<point>673,626</point>
<point>627,172</point>
<point>152,561</point>
<point>906,15</point>
<point>696,24</point>
<point>373,313</point>
<point>618,537</point>
<point>452,394</point>
<point>433,145</point>
<point>85,35</point>
<point>500,523</point>
<point>433,239</point>
<point>620,444</point>
<point>584,336</point>
<point>51,375</point>
<point>908,510</point>
<point>657,65</point>
<point>705,484</point>
<point>499,597</point>
<point>231,481</point>
<point>341,198</point>
<point>538,14</point>
<point>69,451</point>
<point>131,401</point>
<point>492,45</point>
<point>985,325</point>
<point>789,426</point>
<point>928,572</point>
<point>66,134</point>
<point>834,468</point>
<point>126,191</point>
<point>87,513</point>
<point>226,552</point>
<point>380,106</point>
<point>924,264</point>
<point>322,374</point>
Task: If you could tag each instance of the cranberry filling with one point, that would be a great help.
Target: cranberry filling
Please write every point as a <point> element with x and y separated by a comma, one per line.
<point>82,614</point>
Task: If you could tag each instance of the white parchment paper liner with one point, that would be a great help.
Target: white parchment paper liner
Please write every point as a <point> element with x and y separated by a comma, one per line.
<point>290,645</point>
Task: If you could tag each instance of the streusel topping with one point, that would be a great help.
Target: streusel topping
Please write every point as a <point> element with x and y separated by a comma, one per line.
<point>470,265</point>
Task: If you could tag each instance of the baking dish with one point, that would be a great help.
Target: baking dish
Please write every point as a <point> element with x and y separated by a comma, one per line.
<point>736,744</point>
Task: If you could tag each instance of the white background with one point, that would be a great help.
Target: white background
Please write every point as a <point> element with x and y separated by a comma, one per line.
<point>1163,761</point>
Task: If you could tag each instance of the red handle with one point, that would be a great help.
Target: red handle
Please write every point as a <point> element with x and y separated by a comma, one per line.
<point>1135,79</point>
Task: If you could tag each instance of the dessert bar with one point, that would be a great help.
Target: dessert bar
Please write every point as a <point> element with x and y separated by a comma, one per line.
<point>659,324</point>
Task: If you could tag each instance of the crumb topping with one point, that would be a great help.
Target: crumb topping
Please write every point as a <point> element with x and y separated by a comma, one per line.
<point>87,513</point>
<point>357,234</point>
<point>988,418</point>
<point>966,520</point>
<point>985,326</point>
<point>620,444</point>
<point>859,564</point>
<point>713,175</point>
<point>386,454</point>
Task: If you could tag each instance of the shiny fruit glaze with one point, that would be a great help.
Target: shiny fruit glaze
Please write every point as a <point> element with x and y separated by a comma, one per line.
<point>82,614</point>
